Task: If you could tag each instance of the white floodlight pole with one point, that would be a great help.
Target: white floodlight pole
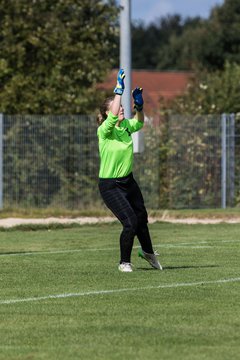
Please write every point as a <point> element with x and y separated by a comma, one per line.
<point>126,54</point>
<point>1,161</point>
<point>126,64</point>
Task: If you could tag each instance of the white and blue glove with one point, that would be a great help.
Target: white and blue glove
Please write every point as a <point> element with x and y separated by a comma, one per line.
<point>138,99</point>
<point>120,83</point>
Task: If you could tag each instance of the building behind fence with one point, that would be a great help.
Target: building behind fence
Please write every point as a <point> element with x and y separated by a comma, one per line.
<point>52,161</point>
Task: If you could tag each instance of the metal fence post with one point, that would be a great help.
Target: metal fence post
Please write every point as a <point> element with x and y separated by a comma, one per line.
<point>232,160</point>
<point>223,161</point>
<point>1,161</point>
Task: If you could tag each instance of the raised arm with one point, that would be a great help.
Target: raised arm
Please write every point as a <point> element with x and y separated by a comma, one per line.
<point>115,106</point>
<point>138,103</point>
<point>139,115</point>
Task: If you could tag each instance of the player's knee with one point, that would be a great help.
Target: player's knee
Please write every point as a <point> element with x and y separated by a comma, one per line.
<point>143,217</point>
<point>130,224</point>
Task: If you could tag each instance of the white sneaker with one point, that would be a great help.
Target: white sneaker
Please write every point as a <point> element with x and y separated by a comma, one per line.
<point>125,267</point>
<point>151,258</point>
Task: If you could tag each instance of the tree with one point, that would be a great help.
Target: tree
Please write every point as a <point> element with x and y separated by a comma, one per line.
<point>194,136</point>
<point>183,52</point>
<point>211,93</point>
<point>224,22</point>
<point>53,52</point>
<point>206,44</point>
<point>149,41</point>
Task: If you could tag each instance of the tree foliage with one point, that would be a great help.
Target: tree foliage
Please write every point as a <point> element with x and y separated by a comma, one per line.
<point>174,43</point>
<point>53,52</point>
<point>148,40</point>
<point>50,161</point>
<point>193,124</point>
<point>211,43</point>
<point>211,93</point>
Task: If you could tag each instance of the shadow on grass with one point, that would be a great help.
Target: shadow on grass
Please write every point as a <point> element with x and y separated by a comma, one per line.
<point>179,267</point>
<point>17,253</point>
<point>189,267</point>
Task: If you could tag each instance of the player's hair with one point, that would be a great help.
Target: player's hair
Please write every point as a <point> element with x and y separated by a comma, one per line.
<point>101,117</point>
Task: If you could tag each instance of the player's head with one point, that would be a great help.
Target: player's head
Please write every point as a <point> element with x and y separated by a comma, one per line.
<point>104,110</point>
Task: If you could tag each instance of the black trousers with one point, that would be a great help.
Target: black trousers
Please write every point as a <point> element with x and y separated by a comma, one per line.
<point>124,198</point>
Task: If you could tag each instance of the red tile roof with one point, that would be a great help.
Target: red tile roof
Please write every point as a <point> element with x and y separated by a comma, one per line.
<point>155,84</point>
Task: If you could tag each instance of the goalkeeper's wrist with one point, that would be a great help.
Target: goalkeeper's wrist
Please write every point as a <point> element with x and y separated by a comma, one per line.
<point>138,108</point>
<point>118,91</point>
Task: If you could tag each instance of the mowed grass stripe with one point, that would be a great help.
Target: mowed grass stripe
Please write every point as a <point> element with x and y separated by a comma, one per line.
<point>55,252</point>
<point>112,291</point>
<point>184,245</point>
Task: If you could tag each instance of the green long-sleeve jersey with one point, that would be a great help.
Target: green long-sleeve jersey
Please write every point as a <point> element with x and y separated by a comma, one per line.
<point>116,146</point>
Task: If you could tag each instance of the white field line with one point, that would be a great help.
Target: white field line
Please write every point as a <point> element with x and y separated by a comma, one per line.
<point>185,245</point>
<point>53,252</point>
<point>115,291</point>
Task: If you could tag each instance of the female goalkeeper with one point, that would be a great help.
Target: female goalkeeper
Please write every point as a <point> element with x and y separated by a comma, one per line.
<point>117,186</point>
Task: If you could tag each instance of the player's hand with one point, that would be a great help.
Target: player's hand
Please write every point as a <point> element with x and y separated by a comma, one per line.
<point>138,99</point>
<point>120,83</point>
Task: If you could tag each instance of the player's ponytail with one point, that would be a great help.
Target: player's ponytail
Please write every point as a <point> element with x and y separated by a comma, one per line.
<point>101,117</point>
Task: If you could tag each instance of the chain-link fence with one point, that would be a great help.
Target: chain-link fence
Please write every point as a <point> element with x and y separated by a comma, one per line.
<point>49,161</point>
<point>203,161</point>
<point>194,161</point>
<point>53,161</point>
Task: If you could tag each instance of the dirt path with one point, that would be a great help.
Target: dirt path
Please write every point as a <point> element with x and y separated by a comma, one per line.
<point>11,222</point>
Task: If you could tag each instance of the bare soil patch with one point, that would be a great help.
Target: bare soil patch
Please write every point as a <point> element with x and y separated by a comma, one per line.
<point>11,222</point>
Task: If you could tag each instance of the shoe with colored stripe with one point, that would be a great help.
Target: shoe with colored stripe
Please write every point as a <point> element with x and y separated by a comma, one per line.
<point>151,258</point>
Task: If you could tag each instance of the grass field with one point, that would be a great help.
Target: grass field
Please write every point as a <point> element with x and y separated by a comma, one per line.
<point>62,296</point>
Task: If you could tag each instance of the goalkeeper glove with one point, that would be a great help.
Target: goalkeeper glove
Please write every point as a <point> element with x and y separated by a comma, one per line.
<point>138,99</point>
<point>120,83</point>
